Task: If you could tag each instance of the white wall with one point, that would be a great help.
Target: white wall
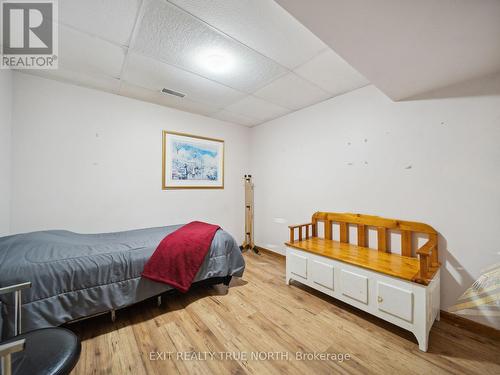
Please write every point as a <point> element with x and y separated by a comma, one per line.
<point>435,161</point>
<point>89,161</point>
<point>5,149</point>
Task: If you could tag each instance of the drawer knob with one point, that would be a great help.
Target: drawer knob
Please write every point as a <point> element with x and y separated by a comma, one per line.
<point>380,299</point>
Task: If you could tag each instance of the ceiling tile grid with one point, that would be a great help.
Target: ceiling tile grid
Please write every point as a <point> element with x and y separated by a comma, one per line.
<point>156,97</point>
<point>260,109</point>
<point>331,73</point>
<point>292,92</point>
<point>261,25</point>
<point>93,81</point>
<point>241,61</point>
<point>112,20</point>
<point>225,115</point>
<point>172,35</point>
<point>80,52</point>
<point>156,75</point>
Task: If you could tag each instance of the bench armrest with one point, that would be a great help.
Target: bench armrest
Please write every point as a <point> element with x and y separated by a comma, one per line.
<point>300,227</point>
<point>16,289</point>
<point>426,249</point>
<point>428,257</point>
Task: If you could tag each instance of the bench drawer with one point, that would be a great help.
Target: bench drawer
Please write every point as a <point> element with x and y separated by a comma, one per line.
<point>297,264</point>
<point>354,286</point>
<point>395,301</point>
<point>322,274</point>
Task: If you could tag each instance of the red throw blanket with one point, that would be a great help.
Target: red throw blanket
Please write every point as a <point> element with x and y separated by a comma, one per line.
<point>179,255</point>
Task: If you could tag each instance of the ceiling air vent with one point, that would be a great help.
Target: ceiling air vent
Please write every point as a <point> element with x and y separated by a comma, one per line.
<point>172,92</point>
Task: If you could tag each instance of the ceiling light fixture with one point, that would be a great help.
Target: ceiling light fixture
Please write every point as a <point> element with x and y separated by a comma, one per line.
<point>216,61</point>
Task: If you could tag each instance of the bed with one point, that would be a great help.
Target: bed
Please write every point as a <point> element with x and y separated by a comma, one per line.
<point>78,275</point>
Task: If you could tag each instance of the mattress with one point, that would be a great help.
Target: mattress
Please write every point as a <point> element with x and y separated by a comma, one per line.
<point>76,275</point>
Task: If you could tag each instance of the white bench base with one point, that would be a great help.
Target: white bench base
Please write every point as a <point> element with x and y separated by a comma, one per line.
<point>406,304</point>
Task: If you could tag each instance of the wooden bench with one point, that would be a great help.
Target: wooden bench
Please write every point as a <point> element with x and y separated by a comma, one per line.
<point>400,288</point>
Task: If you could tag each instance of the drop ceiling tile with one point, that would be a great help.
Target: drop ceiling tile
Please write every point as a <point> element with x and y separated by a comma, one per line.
<point>182,104</point>
<point>172,35</point>
<point>91,55</point>
<point>256,108</point>
<point>332,73</point>
<point>235,118</point>
<point>293,92</point>
<point>102,83</point>
<point>110,19</point>
<point>260,24</point>
<point>155,75</point>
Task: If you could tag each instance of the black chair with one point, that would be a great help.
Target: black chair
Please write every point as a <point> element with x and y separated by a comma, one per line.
<point>47,351</point>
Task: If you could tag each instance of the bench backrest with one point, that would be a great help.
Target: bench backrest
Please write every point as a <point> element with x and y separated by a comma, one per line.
<point>363,222</point>
<point>428,253</point>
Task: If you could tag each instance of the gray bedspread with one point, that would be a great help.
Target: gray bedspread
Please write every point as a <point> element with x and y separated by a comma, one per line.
<point>77,275</point>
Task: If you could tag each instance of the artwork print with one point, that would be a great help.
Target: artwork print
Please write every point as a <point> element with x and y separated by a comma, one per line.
<point>192,161</point>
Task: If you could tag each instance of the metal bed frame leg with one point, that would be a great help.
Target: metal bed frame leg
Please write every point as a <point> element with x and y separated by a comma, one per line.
<point>227,280</point>
<point>113,315</point>
<point>158,301</point>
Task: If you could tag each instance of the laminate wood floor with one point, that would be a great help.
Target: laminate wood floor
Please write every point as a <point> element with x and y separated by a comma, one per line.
<point>261,318</point>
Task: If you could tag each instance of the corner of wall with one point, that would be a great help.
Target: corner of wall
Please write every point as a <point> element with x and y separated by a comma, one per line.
<point>6,110</point>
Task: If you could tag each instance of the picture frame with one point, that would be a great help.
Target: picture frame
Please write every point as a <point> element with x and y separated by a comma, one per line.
<point>192,162</point>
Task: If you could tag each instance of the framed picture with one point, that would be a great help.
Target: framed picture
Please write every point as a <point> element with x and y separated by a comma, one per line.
<point>192,162</point>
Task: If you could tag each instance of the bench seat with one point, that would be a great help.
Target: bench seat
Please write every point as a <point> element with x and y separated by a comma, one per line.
<point>402,267</point>
<point>403,289</point>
